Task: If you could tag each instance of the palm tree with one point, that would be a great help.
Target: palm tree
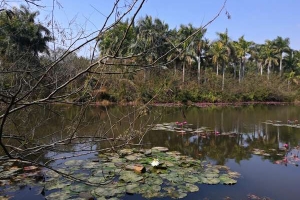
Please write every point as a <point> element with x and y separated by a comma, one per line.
<point>152,38</point>
<point>186,50</point>
<point>281,46</point>
<point>269,53</point>
<point>22,34</point>
<point>242,48</point>
<point>257,56</point>
<point>216,51</point>
<point>199,46</point>
<point>227,50</point>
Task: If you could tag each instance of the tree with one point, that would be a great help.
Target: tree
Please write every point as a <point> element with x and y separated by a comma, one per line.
<point>242,49</point>
<point>187,50</point>
<point>282,46</point>
<point>269,54</point>
<point>152,39</point>
<point>226,50</point>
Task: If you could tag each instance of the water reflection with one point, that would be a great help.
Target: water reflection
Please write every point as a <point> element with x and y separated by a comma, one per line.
<point>232,137</point>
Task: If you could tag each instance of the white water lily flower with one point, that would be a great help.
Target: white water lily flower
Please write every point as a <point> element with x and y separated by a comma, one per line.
<point>155,163</point>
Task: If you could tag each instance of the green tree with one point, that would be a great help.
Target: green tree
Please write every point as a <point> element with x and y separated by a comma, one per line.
<point>269,54</point>
<point>282,46</point>
<point>227,50</point>
<point>242,49</point>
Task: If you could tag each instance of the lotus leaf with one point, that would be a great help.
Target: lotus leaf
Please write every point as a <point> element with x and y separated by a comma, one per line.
<point>177,195</point>
<point>234,174</point>
<point>132,188</point>
<point>60,195</point>
<point>96,180</point>
<point>79,188</point>
<point>129,176</point>
<point>91,165</point>
<point>191,179</point>
<point>192,187</point>
<point>74,162</point>
<point>161,149</point>
<point>109,191</point>
<point>125,152</point>
<point>211,175</point>
<point>57,184</point>
<point>226,180</point>
<point>131,157</point>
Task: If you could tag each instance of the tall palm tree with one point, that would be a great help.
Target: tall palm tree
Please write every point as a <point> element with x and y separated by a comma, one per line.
<point>151,35</point>
<point>281,46</point>
<point>269,53</point>
<point>216,51</point>
<point>227,49</point>
<point>257,56</point>
<point>187,50</point>
<point>242,48</point>
<point>21,32</point>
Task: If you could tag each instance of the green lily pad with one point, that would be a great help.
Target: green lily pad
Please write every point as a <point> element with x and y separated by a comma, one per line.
<point>191,179</point>
<point>161,149</point>
<point>131,157</point>
<point>74,162</point>
<point>125,152</point>
<point>129,176</point>
<point>226,180</point>
<point>192,187</point>
<point>79,188</point>
<point>109,191</point>
<point>132,188</point>
<point>97,180</point>
<point>56,185</point>
<point>60,195</point>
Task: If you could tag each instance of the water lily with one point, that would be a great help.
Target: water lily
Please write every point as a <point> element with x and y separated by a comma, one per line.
<point>155,163</point>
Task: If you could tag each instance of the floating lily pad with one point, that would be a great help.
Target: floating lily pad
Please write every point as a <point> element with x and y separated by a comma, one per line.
<point>161,149</point>
<point>60,195</point>
<point>132,188</point>
<point>192,187</point>
<point>58,184</point>
<point>74,162</point>
<point>226,180</point>
<point>109,191</point>
<point>129,176</point>
<point>79,188</point>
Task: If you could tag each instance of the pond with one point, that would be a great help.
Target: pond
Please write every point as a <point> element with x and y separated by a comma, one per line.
<point>259,142</point>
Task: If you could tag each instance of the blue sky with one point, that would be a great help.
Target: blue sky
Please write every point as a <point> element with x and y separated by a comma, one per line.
<point>258,20</point>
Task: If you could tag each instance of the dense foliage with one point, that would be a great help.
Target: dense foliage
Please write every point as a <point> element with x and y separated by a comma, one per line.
<point>149,61</point>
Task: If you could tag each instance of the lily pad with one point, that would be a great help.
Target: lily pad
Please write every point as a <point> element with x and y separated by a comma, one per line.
<point>74,162</point>
<point>226,180</point>
<point>109,191</point>
<point>161,149</point>
<point>192,187</point>
<point>132,188</point>
<point>129,176</point>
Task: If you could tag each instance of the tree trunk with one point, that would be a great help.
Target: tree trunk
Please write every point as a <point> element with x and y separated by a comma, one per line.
<point>217,69</point>
<point>243,67</point>
<point>223,78</point>
<point>269,66</point>
<point>240,70</point>
<point>280,65</point>
<point>234,70</point>
<point>183,71</point>
<point>199,69</point>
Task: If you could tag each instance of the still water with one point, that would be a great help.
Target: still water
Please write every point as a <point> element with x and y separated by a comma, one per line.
<point>239,136</point>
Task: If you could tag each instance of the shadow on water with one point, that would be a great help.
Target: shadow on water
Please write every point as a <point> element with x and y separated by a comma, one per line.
<point>250,140</point>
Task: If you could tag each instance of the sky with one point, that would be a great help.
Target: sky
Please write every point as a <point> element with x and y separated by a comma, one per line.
<point>257,20</point>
